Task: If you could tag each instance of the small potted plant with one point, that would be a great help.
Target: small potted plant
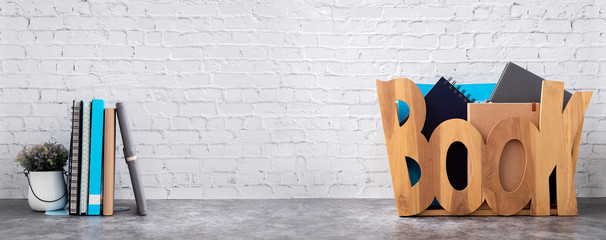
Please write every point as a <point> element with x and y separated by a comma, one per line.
<point>43,167</point>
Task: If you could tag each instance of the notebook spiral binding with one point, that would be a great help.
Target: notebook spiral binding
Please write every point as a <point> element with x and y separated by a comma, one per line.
<point>458,90</point>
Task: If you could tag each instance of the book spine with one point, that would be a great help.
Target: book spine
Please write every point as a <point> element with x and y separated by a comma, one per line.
<point>78,174</point>
<point>96,157</point>
<point>69,160</point>
<point>74,163</point>
<point>109,161</point>
<point>85,159</point>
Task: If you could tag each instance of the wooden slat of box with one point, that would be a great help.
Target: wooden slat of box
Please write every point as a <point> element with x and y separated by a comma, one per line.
<point>484,116</point>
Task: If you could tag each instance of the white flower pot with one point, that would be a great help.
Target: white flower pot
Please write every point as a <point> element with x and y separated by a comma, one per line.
<point>48,186</point>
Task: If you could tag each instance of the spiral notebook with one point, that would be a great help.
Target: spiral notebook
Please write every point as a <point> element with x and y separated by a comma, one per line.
<point>446,101</point>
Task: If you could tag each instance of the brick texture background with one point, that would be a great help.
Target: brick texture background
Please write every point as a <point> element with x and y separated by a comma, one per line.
<point>275,99</point>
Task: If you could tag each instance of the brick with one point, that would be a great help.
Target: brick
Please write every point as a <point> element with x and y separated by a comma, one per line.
<point>485,53</point>
<point>337,191</point>
<point>45,23</point>
<point>437,12</point>
<point>6,137</point>
<point>147,137</point>
<point>401,13</point>
<point>12,52</point>
<point>219,165</point>
<point>189,136</point>
<point>199,9</point>
<point>450,55</point>
<point>185,193</point>
<point>558,53</point>
<point>181,165</point>
<point>37,51</point>
<point>290,191</point>
<point>479,26</point>
<point>31,137</point>
<point>162,9</point>
<point>199,108</point>
<point>78,22</point>
<point>234,9</point>
<point>377,192</point>
<point>555,25</point>
<point>187,53</point>
<point>180,39</point>
<point>74,51</point>
<point>522,53</point>
<point>255,164</point>
<point>518,25</point>
<point>223,193</point>
<point>590,53</point>
<point>116,51</point>
<point>257,191</point>
<point>223,51</point>
<point>587,25</point>
<point>153,53</point>
<point>268,10</point>
<point>122,23</point>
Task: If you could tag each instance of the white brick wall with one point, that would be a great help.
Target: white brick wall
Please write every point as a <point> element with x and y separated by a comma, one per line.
<point>275,100</point>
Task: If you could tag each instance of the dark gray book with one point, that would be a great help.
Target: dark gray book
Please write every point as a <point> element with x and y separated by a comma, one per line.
<point>519,85</point>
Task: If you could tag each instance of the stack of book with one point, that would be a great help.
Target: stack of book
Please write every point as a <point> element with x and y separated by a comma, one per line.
<point>91,167</point>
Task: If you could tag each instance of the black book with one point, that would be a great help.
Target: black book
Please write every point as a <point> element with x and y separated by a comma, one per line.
<point>443,102</point>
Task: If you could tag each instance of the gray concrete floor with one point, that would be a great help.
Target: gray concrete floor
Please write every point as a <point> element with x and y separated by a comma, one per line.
<point>292,219</point>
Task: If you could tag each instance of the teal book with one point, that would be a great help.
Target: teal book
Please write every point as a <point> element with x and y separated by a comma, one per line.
<point>96,157</point>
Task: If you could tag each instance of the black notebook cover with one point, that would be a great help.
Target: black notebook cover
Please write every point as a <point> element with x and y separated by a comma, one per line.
<point>519,85</point>
<point>444,101</point>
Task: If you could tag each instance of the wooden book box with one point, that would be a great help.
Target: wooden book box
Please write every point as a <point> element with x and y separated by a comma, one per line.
<point>553,144</point>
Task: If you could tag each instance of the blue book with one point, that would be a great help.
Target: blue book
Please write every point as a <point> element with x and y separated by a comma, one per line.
<point>96,156</point>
